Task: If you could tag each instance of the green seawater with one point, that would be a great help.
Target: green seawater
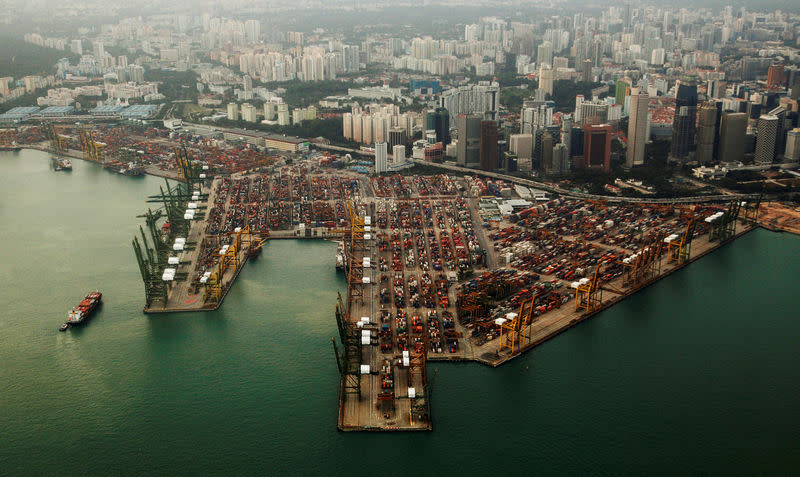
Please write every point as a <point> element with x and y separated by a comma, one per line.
<point>698,374</point>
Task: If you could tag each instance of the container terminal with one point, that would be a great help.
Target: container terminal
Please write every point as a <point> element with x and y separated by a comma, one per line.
<point>445,267</point>
<point>438,268</point>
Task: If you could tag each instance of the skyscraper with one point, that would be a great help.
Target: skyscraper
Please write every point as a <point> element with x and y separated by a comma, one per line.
<point>733,129</point>
<point>706,131</point>
<point>547,153</point>
<point>597,146</point>
<point>399,153</point>
<point>766,138</point>
<point>587,71</point>
<point>792,153</point>
<point>381,158</point>
<point>439,120</point>
<point>488,146</point>
<point>546,78</point>
<point>637,128</point>
<point>684,123</point>
<point>522,146</point>
<point>469,138</point>
<point>775,77</point>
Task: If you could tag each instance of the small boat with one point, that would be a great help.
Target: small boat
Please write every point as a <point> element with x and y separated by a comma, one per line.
<point>254,251</point>
<point>63,326</point>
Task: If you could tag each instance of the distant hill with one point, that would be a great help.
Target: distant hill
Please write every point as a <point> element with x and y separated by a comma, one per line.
<point>19,59</point>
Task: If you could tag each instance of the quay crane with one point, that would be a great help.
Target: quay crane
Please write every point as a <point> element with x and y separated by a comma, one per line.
<point>589,294</point>
<point>93,150</point>
<point>679,247</point>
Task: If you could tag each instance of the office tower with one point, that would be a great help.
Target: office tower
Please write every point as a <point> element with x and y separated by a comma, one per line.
<point>381,158</point>
<point>546,79</point>
<point>684,124</point>
<point>792,153</point>
<point>733,129</point>
<point>546,163</point>
<point>597,146</point>
<point>399,153</point>
<point>780,134</point>
<point>637,128</point>
<point>560,158</point>
<point>478,98</point>
<point>233,112</point>
<point>439,120</point>
<point>522,146</point>
<point>587,71</point>
<point>469,138</point>
<point>488,146</point>
<point>766,138</point>
<point>775,77</point>
<point>706,132</point>
<point>397,136</point>
<point>566,128</point>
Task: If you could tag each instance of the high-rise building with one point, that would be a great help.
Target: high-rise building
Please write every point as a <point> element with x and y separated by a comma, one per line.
<point>546,79</point>
<point>637,128</point>
<point>560,159</point>
<point>249,113</point>
<point>588,77</point>
<point>283,114</point>
<point>684,124</point>
<point>544,53</point>
<point>439,120</point>
<point>381,158</point>
<point>592,112</point>
<point>597,146</point>
<point>766,138</point>
<point>706,132</point>
<point>733,129</point>
<point>233,112</point>
<point>488,146</point>
<point>469,138</point>
<point>792,153</point>
<point>398,153</point>
<point>522,146</point>
<point>397,136</point>
<point>252,30</point>
<point>270,109</point>
<point>478,98</point>
<point>546,162</point>
<point>623,89</point>
<point>247,83</point>
<point>76,46</point>
<point>775,77</point>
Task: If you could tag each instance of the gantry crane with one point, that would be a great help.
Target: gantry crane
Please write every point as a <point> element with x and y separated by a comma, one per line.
<point>589,295</point>
<point>644,265</point>
<point>354,250</point>
<point>92,150</point>
<point>229,258</point>
<point>679,249</point>
<point>58,142</point>
<point>349,359</point>
<point>723,227</point>
<point>516,333</point>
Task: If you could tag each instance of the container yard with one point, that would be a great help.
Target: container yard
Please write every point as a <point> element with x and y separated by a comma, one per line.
<point>438,267</point>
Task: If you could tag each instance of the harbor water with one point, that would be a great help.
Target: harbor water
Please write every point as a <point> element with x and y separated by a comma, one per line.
<point>696,374</point>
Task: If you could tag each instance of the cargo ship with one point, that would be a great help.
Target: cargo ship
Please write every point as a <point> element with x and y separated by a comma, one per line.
<point>340,257</point>
<point>127,169</point>
<point>84,309</point>
<point>61,164</point>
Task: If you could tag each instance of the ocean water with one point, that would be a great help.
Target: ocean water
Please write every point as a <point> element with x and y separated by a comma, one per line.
<point>697,374</point>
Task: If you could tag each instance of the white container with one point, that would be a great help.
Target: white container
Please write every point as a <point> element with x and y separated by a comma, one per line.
<point>173,260</point>
<point>412,393</point>
<point>364,369</point>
